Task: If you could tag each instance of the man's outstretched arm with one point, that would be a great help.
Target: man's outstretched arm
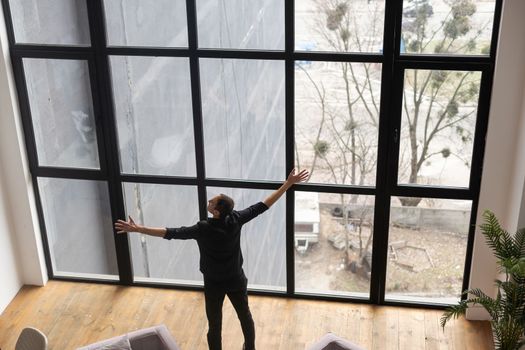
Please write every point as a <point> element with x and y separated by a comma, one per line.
<point>253,211</point>
<point>130,226</point>
<point>191,232</point>
<point>293,178</point>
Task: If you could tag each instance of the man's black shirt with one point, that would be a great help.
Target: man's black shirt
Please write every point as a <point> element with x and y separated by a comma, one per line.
<point>219,242</point>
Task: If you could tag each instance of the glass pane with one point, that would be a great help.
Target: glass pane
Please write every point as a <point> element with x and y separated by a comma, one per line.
<point>263,240</point>
<point>240,24</point>
<point>437,128</point>
<point>154,115</point>
<point>58,22</point>
<point>79,227</point>
<point>62,112</point>
<point>163,206</point>
<point>339,25</point>
<point>333,243</point>
<point>151,23</point>
<point>336,121</point>
<point>243,111</point>
<point>427,245</point>
<point>461,27</point>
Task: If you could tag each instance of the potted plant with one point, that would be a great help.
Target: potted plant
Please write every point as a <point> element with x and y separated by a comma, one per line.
<point>507,310</point>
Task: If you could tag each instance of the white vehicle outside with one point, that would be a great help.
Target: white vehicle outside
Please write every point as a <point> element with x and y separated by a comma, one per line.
<point>307,220</point>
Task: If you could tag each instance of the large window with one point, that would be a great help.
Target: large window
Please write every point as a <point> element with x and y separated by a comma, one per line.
<point>148,109</point>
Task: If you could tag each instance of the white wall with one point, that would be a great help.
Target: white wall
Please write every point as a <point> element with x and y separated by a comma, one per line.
<point>21,253</point>
<point>521,220</point>
<point>11,275</point>
<point>504,164</point>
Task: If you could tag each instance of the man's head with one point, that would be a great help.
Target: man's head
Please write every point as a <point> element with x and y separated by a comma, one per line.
<point>220,206</point>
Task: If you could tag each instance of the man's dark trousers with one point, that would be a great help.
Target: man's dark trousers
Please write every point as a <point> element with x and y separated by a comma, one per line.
<point>214,294</point>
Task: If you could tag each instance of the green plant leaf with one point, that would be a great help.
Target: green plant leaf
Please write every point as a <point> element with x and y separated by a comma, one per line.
<point>499,240</point>
<point>453,312</point>
<point>507,310</point>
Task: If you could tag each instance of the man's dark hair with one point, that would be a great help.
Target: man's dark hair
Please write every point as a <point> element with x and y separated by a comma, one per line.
<point>224,205</point>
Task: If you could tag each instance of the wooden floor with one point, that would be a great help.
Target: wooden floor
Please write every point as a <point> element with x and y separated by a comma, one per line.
<point>76,314</point>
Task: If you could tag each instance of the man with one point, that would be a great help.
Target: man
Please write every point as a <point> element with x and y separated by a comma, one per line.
<point>221,258</point>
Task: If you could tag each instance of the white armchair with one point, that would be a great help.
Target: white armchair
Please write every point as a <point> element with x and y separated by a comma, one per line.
<point>31,339</point>
<point>153,338</point>
<point>331,341</point>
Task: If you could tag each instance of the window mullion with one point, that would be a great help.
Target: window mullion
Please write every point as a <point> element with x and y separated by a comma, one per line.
<point>105,96</point>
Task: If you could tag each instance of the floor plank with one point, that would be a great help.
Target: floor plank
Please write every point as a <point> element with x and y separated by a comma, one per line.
<point>432,330</point>
<point>76,314</point>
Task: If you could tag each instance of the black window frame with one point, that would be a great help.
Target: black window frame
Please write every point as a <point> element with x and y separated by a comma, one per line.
<point>393,63</point>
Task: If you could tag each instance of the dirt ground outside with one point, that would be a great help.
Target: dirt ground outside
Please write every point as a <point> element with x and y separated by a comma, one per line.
<point>421,263</point>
